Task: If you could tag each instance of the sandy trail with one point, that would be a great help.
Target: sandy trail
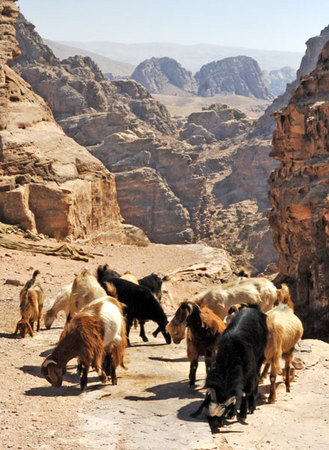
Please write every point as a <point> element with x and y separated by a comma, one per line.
<point>151,405</point>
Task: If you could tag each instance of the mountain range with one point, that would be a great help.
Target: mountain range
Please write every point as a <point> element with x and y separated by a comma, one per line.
<point>192,57</point>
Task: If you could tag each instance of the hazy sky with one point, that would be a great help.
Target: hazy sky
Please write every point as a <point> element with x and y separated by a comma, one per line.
<point>262,24</point>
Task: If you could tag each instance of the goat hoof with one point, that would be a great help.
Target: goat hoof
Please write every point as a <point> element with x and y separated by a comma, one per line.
<point>145,339</point>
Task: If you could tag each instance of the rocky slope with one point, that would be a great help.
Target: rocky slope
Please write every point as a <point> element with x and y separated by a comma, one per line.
<point>159,75</point>
<point>299,196</point>
<point>128,131</point>
<point>240,75</point>
<point>215,123</point>
<point>49,183</point>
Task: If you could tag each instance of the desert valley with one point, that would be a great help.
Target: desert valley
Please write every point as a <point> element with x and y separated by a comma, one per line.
<point>208,175</point>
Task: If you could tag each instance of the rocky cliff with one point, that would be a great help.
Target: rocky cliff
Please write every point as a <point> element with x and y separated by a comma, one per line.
<point>266,124</point>
<point>132,134</point>
<point>49,183</point>
<point>160,75</point>
<point>240,75</point>
<point>299,196</point>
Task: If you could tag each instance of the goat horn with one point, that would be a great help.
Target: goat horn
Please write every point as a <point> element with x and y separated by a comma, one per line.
<point>212,393</point>
<point>47,362</point>
<point>230,400</point>
<point>216,409</point>
<point>190,307</point>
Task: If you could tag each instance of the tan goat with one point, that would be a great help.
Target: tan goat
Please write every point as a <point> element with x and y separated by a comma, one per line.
<point>284,331</point>
<point>31,306</point>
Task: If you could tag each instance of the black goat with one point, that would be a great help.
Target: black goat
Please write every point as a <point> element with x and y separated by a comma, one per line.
<point>154,283</point>
<point>233,379</point>
<point>139,301</point>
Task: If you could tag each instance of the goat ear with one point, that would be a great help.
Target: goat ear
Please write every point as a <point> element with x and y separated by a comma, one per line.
<point>181,313</point>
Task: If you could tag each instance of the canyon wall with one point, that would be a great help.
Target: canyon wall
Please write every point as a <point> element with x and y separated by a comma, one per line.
<point>300,197</point>
<point>49,183</point>
<point>132,134</point>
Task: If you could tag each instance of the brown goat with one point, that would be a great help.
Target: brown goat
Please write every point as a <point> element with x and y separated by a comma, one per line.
<point>204,329</point>
<point>31,306</point>
<point>90,335</point>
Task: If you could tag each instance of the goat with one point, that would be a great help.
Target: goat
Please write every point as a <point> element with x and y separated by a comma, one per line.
<point>255,290</point>
<point>139,301</point>
<point>232,381</point>
<point>204,329</point>
<point>284,331</point>
<point>31,306</point>
<point>62,303</point>
<point>85,289</point>
<point>129,277</point>
<point>233,311</point>
<point>154,283</point>
<point>283,296</point>
<point>89,336</point>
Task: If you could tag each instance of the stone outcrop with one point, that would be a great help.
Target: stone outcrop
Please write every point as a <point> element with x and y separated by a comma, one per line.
<point>215,123</point>
<point>49,183</point>
<point>265,125</point>
<point>158,74</point>
<point>299,196</point>
<point>132,134</point>
<point>240,75</point>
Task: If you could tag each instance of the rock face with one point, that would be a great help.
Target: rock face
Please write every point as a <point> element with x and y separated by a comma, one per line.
<point>299,196</point>
<point>265,124</point>
<point>132,134</point>
<point>239,75</point>
<point>158,74</point>
<point>49,183</point>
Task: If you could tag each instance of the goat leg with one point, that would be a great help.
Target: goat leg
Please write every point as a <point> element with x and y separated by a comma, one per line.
<point>204,404</point>
<point>193,368</point>
<point>30,328</point>
<point>129,322</point>
<point>243,407</point>
<point>83,377</point>
<point>264,373</point>
<point>272,396</point>
<point>142,331</point>
<point>156,332</point>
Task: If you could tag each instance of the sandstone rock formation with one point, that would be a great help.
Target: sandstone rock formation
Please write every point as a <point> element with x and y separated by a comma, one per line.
<point>299,196</point>
<point>159,75</point>
<point>239,75</point>
<point>266,125</point>
<point>49,183</point>
<point>127,130</point>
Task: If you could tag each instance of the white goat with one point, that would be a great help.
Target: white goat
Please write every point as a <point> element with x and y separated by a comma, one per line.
<point>62,303</point>
<point>85,289</point>
<point>255,290</point>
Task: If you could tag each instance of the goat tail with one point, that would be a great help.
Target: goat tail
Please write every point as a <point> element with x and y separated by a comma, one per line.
<point>35,273</point>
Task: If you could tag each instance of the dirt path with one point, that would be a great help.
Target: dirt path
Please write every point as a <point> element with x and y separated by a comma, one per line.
<point>151,405</point>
